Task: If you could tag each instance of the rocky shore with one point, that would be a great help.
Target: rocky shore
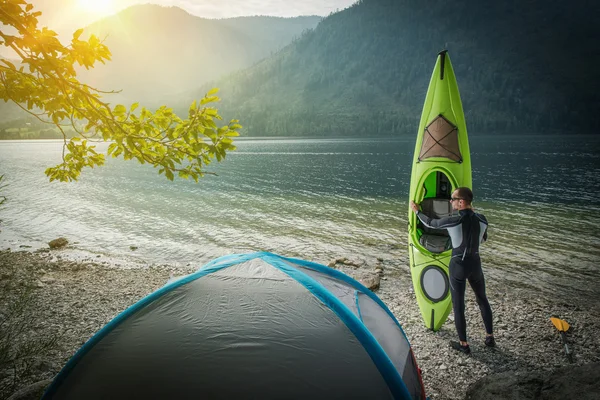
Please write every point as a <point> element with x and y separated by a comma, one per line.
<point>70,301</point>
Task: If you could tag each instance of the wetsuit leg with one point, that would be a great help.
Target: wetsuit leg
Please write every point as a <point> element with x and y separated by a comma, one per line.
<point>457,290</point>
<point>477,282</point>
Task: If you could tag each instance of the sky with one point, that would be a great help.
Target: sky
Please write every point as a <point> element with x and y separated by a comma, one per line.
<point>65,16</point>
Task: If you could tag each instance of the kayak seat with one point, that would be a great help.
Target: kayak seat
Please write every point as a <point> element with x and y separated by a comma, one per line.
<point>436,208</point>
<point>435,243</point>
<point>435,240</point>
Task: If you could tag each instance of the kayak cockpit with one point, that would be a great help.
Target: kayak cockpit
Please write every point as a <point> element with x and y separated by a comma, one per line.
<point>437,191</point>
<point>435,240</point>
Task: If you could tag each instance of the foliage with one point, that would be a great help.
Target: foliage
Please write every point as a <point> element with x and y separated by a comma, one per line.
<point>46,86</point>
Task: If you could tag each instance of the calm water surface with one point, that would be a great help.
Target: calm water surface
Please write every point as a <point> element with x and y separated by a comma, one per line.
<point>318,200</point>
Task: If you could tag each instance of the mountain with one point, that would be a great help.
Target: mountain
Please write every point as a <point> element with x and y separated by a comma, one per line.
<point>523,66</point>
<point>160,50</point>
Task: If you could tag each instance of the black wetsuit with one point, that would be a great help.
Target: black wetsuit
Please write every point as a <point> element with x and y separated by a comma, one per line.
<point>467,230</point>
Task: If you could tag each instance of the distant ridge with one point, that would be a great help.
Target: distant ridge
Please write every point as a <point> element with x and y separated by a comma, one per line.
<point>522,67</point>
<point>160,50</point>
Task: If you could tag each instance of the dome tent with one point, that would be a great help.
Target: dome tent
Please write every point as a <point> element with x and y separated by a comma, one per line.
<point>248,326</point>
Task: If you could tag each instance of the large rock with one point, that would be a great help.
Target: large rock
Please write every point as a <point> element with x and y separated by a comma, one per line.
<point>580,382</point>
<point>58,243</point>
<point>371,281</point>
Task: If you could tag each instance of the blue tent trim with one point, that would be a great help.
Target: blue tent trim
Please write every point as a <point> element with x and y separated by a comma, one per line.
<point>375,351</point>
<point>357,305</point>
<point>227,259</point>
<point>345,278</point>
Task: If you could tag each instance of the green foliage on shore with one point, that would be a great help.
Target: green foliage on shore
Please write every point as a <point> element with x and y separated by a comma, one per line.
<point>45,85</point>
<point>523,67</point>
<point>31,128</point>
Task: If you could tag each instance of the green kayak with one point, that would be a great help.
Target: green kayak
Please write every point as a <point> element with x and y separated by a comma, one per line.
<point>441,163</point>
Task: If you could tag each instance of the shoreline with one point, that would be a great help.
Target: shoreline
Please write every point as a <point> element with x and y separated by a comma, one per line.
<point>74,299</point>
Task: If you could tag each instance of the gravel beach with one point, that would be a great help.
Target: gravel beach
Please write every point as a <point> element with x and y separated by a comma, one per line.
<point>73,299</point>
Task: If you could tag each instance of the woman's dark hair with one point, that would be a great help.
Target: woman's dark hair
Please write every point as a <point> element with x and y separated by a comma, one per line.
<point>465,193</point>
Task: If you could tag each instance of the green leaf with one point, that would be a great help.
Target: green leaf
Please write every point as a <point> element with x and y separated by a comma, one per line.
<point>77,34</point>
<point>112,148</point>
<point>209,99</point>
<point>145,114</point>
<point>119,110</point>
<point>212,91</point>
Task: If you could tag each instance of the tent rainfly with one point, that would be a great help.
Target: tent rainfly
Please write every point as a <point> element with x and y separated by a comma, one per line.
<point>248,326</point>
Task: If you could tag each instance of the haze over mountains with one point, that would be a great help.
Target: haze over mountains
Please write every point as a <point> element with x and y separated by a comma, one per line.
<point>161,50</point>
<point>522,67</point>
<point>158,52</point>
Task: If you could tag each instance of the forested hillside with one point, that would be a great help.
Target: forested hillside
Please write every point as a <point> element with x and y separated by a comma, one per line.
<point>522,67</point>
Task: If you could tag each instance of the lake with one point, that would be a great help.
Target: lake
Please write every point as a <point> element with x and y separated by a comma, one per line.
<point>317,199</point>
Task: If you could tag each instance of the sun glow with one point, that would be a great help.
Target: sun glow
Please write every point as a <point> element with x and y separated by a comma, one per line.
<point>99,7</point>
